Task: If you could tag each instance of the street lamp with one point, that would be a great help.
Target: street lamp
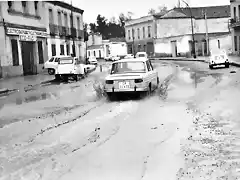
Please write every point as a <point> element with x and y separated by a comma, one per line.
<point>193,39</point>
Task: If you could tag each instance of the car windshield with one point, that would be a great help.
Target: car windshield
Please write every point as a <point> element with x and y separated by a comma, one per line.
<point>51,60</point>
<point>66,60</point>
<point>141,55</point>
<point>128,67</point>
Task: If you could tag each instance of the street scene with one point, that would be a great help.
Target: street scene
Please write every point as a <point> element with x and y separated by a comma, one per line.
<point>129,97</point>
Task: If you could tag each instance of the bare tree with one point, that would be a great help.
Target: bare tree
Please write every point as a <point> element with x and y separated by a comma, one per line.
<point>151,11</point>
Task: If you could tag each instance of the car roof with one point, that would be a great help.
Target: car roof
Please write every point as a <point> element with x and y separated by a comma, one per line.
<point>131,60</point>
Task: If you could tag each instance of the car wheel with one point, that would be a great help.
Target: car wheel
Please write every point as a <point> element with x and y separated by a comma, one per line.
<point>227,65</point>
<point>210,66</point>
<point>57,77</point>
<point>51,71</point>
<point>149,92</point>
<point>76,77</point>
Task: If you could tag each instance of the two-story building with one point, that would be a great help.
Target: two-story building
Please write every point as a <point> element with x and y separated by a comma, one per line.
<point>235,25</point>
<point>139,35</point>
<point>23,37</point>
<point>65,27</point>
<point>174,36</point>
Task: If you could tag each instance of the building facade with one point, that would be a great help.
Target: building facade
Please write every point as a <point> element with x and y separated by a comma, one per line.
<point>23,35</point>
<point>235,26</point>
<point>65,29</point>
<point>174,31</point>
<point>139,35</point>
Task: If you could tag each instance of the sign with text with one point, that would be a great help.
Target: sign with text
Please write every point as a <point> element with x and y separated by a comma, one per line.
<point>26,37</point>
<point>16,31</point>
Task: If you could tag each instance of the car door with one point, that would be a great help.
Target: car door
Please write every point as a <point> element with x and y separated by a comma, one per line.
<point>55,62</point>
<point>152,74</point>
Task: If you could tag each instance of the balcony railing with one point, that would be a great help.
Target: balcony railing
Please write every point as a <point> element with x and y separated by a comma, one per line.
<point>53,29</point>
<point>235,22</point>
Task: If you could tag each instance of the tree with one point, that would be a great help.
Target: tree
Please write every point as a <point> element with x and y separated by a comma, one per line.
<point>93,27</point>
<point>85,30</point>
<point>162,10</point>
<point>102,25</point>
<point>151,11</point>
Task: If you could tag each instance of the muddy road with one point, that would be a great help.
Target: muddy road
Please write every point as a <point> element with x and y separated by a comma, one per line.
<point>64,131</point>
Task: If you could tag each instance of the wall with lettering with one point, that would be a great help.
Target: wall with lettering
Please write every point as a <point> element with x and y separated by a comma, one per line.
<point>16,15</point>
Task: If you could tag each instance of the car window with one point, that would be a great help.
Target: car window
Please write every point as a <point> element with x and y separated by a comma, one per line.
<point>56,59</point>
<point>51,60</point>
<point>151,65</point>
<point>66,60</point>
<point>126,67</point>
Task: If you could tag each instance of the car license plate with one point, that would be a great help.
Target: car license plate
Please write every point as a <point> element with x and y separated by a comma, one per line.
<point>124,85</point>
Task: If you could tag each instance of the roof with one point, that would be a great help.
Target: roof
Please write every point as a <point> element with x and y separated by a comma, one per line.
<point>92,47</point>
<point>131,60</point>
<point>198,12</point>
<point>66,5</point>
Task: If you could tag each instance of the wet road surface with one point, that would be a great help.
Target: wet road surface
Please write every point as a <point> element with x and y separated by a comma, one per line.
<point>63,131</point>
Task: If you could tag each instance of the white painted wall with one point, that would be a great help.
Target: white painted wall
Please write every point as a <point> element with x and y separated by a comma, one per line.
<point>97,54</point>
<point>214,25</point>
<point>225,42</point>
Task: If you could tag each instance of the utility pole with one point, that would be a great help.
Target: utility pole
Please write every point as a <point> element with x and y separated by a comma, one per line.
<point>206,26</point>
<point>73,46</point>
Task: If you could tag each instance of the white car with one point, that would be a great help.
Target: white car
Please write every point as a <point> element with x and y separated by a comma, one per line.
<point>114,58</point>
<point>131,75</point>
<point>93,60</point>
<point>70,67</point>
<point>129,56</point>
<point>52,64</point>
<point>141,55</point>
<point>217,58</point>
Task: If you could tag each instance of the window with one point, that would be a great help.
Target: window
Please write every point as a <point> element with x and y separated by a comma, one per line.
<point>59,18</point>
<point>61,49</point>
<point>144,48</point>
<point>15,56</point>
<point>99,53</point>
<point>88,53</point>
<point>36,7</point>
<point>218,44</point>
<point>24,6</point>
<point>129,34</point>
<point>68,49</point>
<point>94,53</point>
<point>40,52</point>
<point>78,23</point>
<point>149,31</point>
<point>234,13</point>
<point>121,67</point>
<point>143,32</point>
<point>149,66</point>
<point>73,50</point>
<point>53,50</point>
<point>10,4</point>
<point>133,34</point>
<point>139,47</point>
<point>66,60</point>
<point>66,20</point>
<point>138,31</point>
<point>51,20</point>
<point>235,43</point>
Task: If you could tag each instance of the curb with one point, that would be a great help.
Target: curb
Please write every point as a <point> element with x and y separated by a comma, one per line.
<point>5,91</point>
<point>190,60</point>
<point>235,64</point>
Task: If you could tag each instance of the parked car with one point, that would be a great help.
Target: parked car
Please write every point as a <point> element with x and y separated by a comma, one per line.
<point>70,67</point>
<point>52,64</point>
<point>93,60</point>
<point>131,75</point>
<point>129,56</point>
<point>114,58</point>
<point>218,57</point>
<point>141,55</point>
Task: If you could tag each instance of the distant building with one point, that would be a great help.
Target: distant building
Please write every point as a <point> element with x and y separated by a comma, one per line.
<point>139,35</point>
<point>235,25</point>
<point>23,36</point>
<point>94,39</point>
<point>174,31</point>
<point>62,34</point>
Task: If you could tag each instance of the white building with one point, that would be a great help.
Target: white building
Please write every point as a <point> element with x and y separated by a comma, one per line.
<point>61,31</point>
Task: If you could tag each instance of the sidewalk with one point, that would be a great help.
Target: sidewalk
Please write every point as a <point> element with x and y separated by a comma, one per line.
<point>20,82</point>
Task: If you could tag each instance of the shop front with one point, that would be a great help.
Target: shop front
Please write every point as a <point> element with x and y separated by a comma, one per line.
<point>26,51</point>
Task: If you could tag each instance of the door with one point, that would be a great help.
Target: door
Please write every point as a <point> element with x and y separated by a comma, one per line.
<point>174,48</point>
<point>28,58</point>
<point>150,49</point>
<point>152,75</point>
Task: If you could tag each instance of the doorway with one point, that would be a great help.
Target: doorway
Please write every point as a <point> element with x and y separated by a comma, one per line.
<point>28,58</point>
<point>174,48</point>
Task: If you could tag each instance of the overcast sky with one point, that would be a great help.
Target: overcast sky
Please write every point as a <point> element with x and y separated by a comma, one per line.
<point>109,8</point>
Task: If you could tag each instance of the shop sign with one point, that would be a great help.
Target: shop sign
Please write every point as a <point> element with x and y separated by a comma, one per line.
<point>16,31</point>
<point>26,37</point>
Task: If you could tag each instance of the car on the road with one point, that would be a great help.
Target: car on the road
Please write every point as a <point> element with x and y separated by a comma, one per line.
<point>218,57</point>
<point>129,56</point>
<point>141,55</point>
<point>52,64</point>
<point>93,60</point>
<point>135,75</point>
<point>114,58</point>
<point>70,67</point>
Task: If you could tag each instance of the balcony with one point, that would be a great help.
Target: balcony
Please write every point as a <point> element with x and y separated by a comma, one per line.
<point>53,29</point>
<point>73,32</point>
<point>235,22</point>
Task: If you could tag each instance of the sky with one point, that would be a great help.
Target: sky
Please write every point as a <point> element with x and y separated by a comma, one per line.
<point>110,8</point>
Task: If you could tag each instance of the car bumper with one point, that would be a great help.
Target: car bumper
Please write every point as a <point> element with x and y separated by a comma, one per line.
<point>135,89</point>
<point>219,63</point>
